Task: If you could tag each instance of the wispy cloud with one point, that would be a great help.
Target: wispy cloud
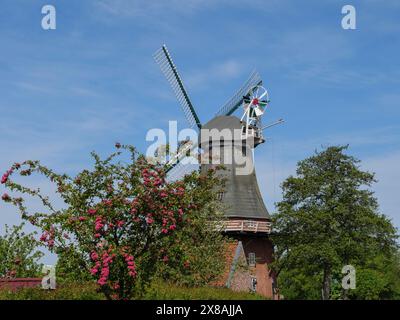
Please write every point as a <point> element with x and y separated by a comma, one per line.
<point>137,8</point>
<point>214,74</point>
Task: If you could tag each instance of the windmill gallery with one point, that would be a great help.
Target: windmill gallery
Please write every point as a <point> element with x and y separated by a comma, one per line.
<point>230,141</point>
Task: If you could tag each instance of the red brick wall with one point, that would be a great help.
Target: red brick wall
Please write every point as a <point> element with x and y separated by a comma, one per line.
<point>14,284</point>
<point>262,247</point>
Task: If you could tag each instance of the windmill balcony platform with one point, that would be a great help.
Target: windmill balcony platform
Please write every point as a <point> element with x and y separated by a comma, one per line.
<point>248,226</point>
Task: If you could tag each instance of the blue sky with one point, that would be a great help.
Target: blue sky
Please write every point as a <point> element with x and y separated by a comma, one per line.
<point>92,81</point>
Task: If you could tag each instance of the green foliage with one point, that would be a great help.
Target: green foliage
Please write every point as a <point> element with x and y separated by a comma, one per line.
<point>70,268</point>
<point>196,253</point>
<point>378,279</point>
<point>328,218</point>
<point>19,256</point>
<point>295,284</point>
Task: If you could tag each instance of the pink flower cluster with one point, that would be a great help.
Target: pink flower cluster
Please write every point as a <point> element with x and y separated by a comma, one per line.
<point>92,211</point>
<point>131,265</point>
<point>107,202</point>
<point>5,197</point>
<point>149,218</point>
<point>98,224</point>
<point>5,176</point>
<point>48,237</point>
<point>102,264</point>
<point>120,223</point>
<point>152,178</point>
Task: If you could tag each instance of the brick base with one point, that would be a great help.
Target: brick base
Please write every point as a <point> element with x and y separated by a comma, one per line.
<point>238,273</point>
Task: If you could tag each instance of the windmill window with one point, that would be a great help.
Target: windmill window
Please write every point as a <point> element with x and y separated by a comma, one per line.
<point>252,224</point>
<point>252,259</point>
<point>220,195</point>
<point>253,284</point>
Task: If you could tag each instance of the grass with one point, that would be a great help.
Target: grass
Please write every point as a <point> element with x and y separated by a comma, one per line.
<point>71,291</point>
<point>170,292</point>
<point>159,291</point>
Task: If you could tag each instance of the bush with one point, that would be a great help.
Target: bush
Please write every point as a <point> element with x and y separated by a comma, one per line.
<point>19,256</point>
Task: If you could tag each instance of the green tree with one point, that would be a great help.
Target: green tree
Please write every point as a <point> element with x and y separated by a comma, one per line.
<point>329,218</point>
<point>19,254</point>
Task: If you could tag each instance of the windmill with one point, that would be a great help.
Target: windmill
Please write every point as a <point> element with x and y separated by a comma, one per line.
<point>247,218</point>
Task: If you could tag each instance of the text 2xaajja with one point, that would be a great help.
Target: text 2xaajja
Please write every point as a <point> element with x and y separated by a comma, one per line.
<point>214,309</point>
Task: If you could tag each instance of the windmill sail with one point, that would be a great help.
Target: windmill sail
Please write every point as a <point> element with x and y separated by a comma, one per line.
<point>189,149</point>
<point>237,100</point>
<point>164,60</point>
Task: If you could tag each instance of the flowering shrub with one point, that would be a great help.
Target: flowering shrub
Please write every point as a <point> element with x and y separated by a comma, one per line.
<point>121,219</point>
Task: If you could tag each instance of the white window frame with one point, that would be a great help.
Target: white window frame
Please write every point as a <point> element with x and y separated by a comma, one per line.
<point>252,259</point>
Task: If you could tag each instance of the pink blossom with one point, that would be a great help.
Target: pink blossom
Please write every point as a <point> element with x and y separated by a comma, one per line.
<point>149,219</point>
<point>92,211</point>
<point>94,271</point>
<point>4,179</point>
<point>105,272</point>
<point>6,197</point>
<point>82,218</point>
<point>165,231</point>
<point>43,237</point>
<point>98,224</point>
<point>172,227</point>
<point>5,176</point>
<point>94,255</point>
<point>132,273</point>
